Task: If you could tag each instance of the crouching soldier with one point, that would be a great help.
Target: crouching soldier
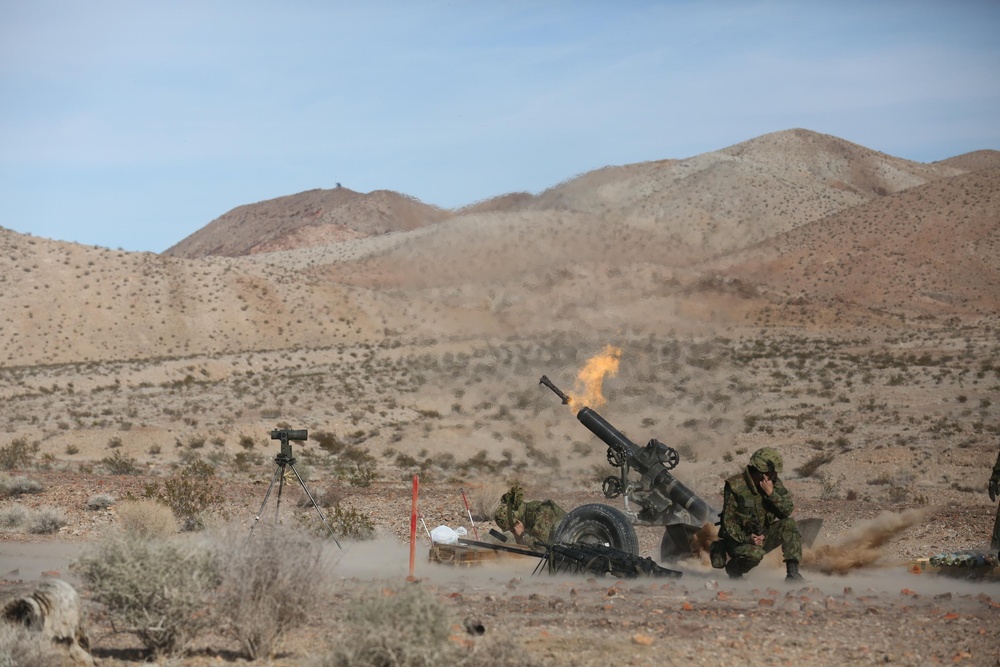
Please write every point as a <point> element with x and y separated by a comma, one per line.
<point>757,518</point>
<point>528,522</point>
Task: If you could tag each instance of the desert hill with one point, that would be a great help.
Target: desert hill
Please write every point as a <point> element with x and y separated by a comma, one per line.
<point>928,250</point>
<point>831,223</point>
<point>984,159</point>
<point>315,217</point>
<point>415,334</point>
<point>670,213</point>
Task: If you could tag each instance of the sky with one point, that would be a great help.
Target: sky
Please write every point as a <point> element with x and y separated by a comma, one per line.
<point>132,124</point>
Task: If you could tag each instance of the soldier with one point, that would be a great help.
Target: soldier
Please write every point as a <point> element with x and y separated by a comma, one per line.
<point>994,490</point>
<point>529,522</point>
<point>756,518</point>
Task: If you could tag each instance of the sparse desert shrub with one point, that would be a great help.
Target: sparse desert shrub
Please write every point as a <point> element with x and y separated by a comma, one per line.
<point>46,520</point>
<point>155,589</point>
<point>270,584</point>
<point>324,496</point>
<point>16,486</point>
<point>328,441</point>
<point>406,627</point>
<point>350,523</point>
<point>18,454</point>
<point>485,500</point>
<point>21,647</point>
<point>100,501</point>
<point>147,518</point>
<point>246,442</point>
<point>361,476</point>
<point>121,464</point>
<point>243,461</point>
<point>13,517</point>
<point>191,493</point>
<point>809,468</point>
<point>410,627</point>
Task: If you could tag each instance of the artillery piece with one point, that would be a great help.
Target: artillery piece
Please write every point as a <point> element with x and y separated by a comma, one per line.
<point>661,499</point>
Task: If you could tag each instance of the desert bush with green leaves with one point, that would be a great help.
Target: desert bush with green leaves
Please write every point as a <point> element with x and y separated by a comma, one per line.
<point>349,523</point>
<point>191,493</point>
<point>18,454</point>
<point>121,464</point>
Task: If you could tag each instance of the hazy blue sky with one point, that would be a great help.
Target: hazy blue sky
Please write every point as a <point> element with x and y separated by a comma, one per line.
<point>135,123</point>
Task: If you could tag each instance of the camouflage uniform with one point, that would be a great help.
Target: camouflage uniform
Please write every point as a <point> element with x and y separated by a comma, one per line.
<point>746,511</point>
<point>539,517</point>
<point>994,489</point>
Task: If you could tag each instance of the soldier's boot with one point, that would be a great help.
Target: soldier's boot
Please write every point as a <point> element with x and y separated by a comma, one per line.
<point>733,570</point>
<point>792,571</point>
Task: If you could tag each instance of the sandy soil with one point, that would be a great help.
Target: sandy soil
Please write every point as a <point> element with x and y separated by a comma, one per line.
<point>879,611</point>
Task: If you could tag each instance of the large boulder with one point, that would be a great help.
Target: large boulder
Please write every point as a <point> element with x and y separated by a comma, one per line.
<point>53,609</point>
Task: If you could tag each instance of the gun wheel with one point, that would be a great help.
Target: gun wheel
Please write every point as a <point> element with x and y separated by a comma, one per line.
<point>596,523</point>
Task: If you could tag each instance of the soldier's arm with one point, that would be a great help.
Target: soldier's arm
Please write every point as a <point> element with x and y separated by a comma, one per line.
<point>780,501</point>
<point>732,518</point>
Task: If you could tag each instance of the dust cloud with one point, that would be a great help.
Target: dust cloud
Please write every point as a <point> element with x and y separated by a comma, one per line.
<point>861,547</point>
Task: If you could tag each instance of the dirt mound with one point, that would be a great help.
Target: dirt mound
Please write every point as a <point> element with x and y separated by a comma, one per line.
<point>315,216</point>
<point>985,159</point>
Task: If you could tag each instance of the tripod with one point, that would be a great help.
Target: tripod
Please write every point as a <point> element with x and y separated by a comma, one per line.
<point>282,460</point>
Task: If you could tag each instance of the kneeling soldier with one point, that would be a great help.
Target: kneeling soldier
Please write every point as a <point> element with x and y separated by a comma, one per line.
<point>529,522</point>
<point>757,518</point>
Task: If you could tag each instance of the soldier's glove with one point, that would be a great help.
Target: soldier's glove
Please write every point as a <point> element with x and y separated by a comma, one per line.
<point>993,488</point>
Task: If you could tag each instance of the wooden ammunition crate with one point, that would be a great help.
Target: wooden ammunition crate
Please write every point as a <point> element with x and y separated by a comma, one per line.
<point>461,554</point>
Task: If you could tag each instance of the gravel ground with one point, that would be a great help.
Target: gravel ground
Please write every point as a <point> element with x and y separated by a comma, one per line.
<point>877,612</point>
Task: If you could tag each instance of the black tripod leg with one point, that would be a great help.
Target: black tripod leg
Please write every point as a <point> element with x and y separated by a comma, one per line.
<point>266,496</point>
<point>281,486</point>
<point>315,505</point>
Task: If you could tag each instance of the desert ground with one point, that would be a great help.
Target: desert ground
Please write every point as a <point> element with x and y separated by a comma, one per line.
<point>794,291</point>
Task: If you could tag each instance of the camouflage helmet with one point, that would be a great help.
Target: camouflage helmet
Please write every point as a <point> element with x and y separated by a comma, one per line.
<point>766,459</point>
<point>511,508</point>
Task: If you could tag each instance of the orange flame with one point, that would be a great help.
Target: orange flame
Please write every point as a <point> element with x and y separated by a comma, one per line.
<point>587,390</point>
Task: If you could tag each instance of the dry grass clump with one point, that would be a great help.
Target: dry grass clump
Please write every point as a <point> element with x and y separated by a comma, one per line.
<point>410,627</point>
<point>13,517</point>
<point>46,520</point>
<point>15,486</point>
<point>270,583</point>
<point>485,500</point>
<point>100,501</point>
<point>156,589</point>
<point>20,647</point>
<point>147,518</point>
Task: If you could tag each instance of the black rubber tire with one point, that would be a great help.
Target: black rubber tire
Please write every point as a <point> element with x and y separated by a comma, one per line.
<point>597,523</point>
